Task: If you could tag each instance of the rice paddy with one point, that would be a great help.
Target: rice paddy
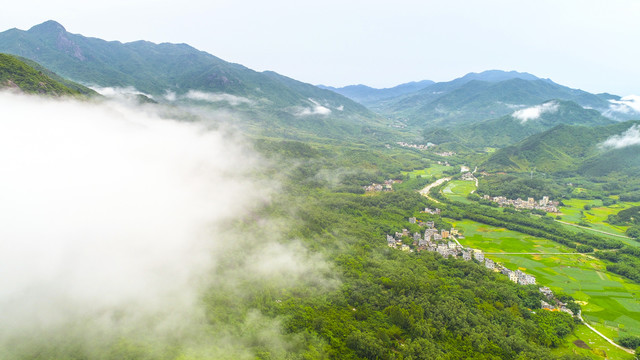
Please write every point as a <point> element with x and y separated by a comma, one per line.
<point>612,303</point>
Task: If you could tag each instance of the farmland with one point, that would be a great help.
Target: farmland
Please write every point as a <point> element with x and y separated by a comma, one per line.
<point>611,303</point>
<point>457,190</point>
<point>574,212</point>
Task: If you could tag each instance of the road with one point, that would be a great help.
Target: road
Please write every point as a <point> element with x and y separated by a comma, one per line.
<point>425,191</point>
<point>604,337</point>
<point>587,228</point>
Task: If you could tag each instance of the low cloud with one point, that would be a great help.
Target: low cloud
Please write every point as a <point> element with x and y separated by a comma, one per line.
<point>626,105</point>
<point>119,92</point>
<point>117,222</point>
<point>534,112</point>
<point>628,138</point>
<point>315,109</point>
<point>217,97</point>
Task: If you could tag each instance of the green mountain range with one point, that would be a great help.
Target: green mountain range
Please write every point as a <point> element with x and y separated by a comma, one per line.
<point>272,104</point>
<point>30,77</point>
<point>476,100</point>
<point>372,97</point>
<point>510,129</point>
<point>472,98</point>
<point>570,148</point>
<point>156,69</point>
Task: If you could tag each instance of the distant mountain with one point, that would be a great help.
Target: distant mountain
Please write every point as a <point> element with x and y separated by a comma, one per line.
<point>158,68</point>
<point>573,148</point>
<point>369,96</point>
<point>30,77</point>
<point>479,96</point>
<point>510,129</point>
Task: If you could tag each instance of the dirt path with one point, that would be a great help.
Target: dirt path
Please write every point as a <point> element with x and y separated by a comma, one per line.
<point>587,228</point>
<point>426,189</point>
<point>604,337</point>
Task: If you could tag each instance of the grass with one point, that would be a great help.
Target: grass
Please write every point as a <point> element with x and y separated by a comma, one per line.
<point>457,190</point>
<point>434,170</point>
<point>612,302</point>
<point>574,212</point>
<point>599,348</point>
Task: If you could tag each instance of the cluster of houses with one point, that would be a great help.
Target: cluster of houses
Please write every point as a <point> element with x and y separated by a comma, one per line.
<point>445,243</point>
<point>543,204</point>
<point>554,303</point>
<point>431,211</point>
<point>386,186</point>
<point>416,146</point>
<point>442,241</point>
<point>468,176</point>
<point>517,276</point>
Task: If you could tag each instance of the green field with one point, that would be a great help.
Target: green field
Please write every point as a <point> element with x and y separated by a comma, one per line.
<point>457,190</point>
<point>434,170</point>
<point>574,212</point>
<point>611,302</point>
<point>599,348</point>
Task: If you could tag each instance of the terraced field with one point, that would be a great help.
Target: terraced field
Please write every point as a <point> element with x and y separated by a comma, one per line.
<point>612,304</point>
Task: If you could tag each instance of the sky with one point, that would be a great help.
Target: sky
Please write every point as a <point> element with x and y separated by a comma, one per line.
<point>586,44</point>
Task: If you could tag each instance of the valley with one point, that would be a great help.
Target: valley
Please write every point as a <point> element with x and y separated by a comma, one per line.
<point>270,199</point>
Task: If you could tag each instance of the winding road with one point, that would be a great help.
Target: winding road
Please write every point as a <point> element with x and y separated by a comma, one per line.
<point>425,191</point>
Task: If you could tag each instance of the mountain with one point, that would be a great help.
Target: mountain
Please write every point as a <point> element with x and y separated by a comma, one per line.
<point>481,96</point>
<point>186,75</point>
<point>156,68</point>
<point>369,96</point>
<point>572,148</point>
<point>32,78</point>
<point>510,129</point>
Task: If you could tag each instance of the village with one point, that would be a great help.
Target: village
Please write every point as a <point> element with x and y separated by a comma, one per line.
<point>543,204</point>
<point>445,243</point>
<point>386,186</point>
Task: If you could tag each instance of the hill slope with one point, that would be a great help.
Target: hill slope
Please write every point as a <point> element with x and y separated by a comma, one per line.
<point>31,78</point>
<point>572,148</point>
<point>509,129</point>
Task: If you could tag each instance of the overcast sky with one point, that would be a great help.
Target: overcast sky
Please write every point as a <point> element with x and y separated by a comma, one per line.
<point>588,44</point>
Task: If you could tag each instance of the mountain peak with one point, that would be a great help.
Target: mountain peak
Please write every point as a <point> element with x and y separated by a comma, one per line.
<point>49,26</point>
<point>499,75</point>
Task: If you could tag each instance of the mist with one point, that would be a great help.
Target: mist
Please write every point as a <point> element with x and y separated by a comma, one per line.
<point>534,112</point>
<point>119,224</point>
<point>630,137</point>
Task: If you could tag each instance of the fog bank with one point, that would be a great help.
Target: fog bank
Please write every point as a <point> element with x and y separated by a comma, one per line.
<point>115,221</point>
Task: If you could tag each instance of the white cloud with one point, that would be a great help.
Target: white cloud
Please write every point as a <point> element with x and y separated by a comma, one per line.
<point>119,92</point>
<point>170,96</point>
<point>626,105</point>
<point>217,97</point>
<point>534,112</point>
<point>315,109</point>
<point>114,220</point>
<point>628,138</point>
